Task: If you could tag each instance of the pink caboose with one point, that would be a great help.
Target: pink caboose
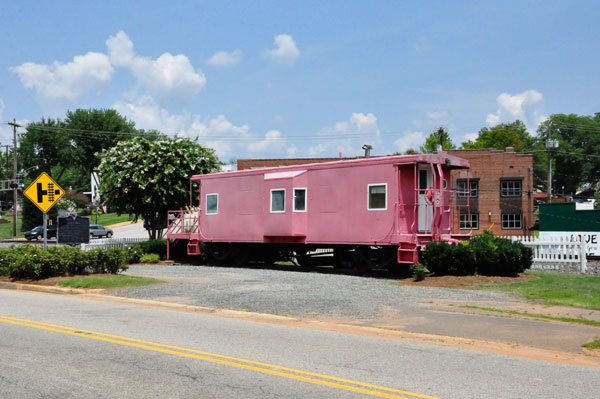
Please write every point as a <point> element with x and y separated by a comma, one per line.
<point>367,213</point>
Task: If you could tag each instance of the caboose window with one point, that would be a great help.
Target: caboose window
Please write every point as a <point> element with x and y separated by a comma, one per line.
<point>212,204</point>
<point>377,197</point>
<point>278,201</point>
<point>299,200</point>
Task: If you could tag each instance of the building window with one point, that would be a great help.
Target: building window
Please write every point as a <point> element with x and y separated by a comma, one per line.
<point>377,200</point>
<point>278,200</point>
<point>469,221</point>
<point>299,200</point>
<point>511,221</point>
<point>510,188</point>
<point>463,191</point>
<point>212,204</point>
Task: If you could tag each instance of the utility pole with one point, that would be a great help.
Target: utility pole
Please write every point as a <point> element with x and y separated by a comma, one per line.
<point>440,146</point>
<point>550,144</point>
<point>14,185</point>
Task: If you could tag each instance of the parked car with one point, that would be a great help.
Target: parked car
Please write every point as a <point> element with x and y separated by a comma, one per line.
<point>97,231</point>
<point>5,205</point>
<point>38,232</point>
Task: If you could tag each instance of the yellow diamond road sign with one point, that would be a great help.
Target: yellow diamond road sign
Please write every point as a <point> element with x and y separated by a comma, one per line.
<point>44,192</point>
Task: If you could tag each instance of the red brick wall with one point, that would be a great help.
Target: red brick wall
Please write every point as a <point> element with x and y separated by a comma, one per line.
<point>490,166</point>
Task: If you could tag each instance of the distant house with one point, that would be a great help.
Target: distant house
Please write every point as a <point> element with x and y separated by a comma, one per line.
<point>495,193</point>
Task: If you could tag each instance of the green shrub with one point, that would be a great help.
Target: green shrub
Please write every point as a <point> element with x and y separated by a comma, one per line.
<point>418,271</point>
<point>150,258</point>
<point>496,256</point>
<point>32,262</point>
<point>449,259</point>
<point>133,254</point>
<point>154,247</point>
<point>106,260</point>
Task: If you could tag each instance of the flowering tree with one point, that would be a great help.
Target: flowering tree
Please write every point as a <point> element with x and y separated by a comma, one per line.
<point>147,177</point>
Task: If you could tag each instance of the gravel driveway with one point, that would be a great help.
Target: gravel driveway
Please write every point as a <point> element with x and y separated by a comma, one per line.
<point>288,293</point>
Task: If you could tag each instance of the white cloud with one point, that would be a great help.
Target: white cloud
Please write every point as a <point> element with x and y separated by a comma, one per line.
<point>285,51</point>
<point>170,77</point>
<point>68,81</point>
<point>272,140</point>
<point>527,106</point>
<point>348,137</point>
<point>410,139</point>
<point>225,59</point>
<point>147,115</point>
<point>436,116</point>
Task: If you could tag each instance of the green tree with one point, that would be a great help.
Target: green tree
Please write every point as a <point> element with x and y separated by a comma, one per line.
<point>432,141</point>
<point>576,162</point>
<point>503,135</point>
<point>147,177</point>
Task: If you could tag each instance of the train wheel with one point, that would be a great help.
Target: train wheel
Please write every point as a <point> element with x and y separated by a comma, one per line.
<point>362,260</point>
<point>218,253</point>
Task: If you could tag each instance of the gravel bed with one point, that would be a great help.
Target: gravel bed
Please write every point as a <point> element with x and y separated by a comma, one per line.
<point>288,293</point>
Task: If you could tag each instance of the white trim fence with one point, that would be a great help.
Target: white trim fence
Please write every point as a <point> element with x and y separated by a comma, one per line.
<point>557,253</point>
<point>105,243</point>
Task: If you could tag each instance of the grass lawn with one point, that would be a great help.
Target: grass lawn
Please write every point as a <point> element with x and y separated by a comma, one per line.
<point>557,289</point>
<point>108,219</point>
<point>592,345</point>
<point>6,228</point>
<point>108,281</point>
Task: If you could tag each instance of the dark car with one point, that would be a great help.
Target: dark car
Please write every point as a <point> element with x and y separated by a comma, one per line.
<point>97,230</point>
<point>5,205</point>
<point>38,232</point>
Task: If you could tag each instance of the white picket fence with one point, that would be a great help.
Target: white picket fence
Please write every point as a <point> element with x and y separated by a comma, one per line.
<point>105,243</point>
<point>556,253</point>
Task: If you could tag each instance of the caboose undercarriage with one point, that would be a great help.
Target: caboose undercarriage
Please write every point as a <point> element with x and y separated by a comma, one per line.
<point>361,258</point>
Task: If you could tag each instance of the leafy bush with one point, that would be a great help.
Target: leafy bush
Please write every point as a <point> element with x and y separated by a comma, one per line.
<point>418,271</point>
<point>158,247</point>
<point>453,259</point>
<point>133,254</point>
<point>106,260</point>
<point>150,258</point>
<point>496,256</point>
<point>32,262</point>
<point>484,254</point>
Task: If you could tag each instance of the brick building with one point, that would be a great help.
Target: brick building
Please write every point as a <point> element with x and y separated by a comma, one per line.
<point>496,196</point>
<point>498,192</point>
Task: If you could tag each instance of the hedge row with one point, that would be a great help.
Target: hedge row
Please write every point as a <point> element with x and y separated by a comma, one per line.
<point>32,262</point>
<point>484,254</point>
<point>158,247</point>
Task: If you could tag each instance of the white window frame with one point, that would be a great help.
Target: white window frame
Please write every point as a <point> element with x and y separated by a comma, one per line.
<point>469,191</point>
<point>469,222</point>
<point>510,189</point>
<point>206,204</point>
<point>305,199</point>
<point>514,221</point>
<point>369,194</point>
<point>271,200</point>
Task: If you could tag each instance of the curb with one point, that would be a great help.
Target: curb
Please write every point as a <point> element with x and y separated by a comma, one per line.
<point>47,289</point>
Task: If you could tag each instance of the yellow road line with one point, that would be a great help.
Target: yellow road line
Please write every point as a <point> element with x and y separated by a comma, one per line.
<point>320,379</point>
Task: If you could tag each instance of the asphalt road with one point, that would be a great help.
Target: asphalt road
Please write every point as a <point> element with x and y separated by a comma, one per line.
<point>57,347</point>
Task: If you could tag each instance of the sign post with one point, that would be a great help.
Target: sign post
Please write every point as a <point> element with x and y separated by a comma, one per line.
<point>44,193</point>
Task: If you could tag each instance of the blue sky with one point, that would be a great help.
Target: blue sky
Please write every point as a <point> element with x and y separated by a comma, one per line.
<point>265,79</point>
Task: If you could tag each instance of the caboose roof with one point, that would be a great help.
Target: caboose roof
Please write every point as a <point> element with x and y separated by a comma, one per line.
<point>440,157</point>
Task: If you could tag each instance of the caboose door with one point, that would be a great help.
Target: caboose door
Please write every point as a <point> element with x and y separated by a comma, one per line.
<point>425,207</point>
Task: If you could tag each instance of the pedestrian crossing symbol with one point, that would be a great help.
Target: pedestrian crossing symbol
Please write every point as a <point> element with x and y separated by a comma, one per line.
<point>44,192</point>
